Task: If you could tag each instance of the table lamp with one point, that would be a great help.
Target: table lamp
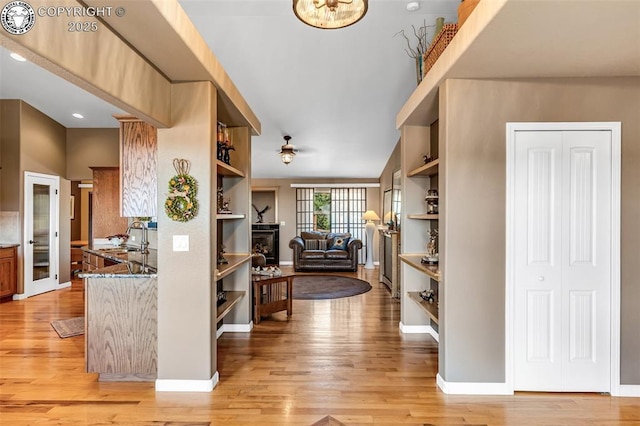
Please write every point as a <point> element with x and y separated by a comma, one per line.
<point>370,216</point>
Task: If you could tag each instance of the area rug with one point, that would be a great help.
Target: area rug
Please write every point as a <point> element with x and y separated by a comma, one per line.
<point>69,327</point>
<point>316,287</point>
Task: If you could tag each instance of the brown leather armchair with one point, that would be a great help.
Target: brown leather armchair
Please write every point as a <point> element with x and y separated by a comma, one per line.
<point>321,251</point>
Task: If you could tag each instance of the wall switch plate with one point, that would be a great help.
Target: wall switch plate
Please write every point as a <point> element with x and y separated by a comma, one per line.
<point>133,238</point>
<point>180,243</point>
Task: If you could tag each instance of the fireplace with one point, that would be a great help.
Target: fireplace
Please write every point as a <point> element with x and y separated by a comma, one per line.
<point>265,239</point>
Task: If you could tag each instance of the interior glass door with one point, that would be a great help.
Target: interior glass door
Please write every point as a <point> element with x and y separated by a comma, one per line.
<point>41,217</point>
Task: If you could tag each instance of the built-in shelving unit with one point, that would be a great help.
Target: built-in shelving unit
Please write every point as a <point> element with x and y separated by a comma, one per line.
<point>423,216</point>
<point>233,297</point>
<point>431,308</point>
<point>230,216</point>
<point>224,169</point>
<point>429,169</point>
<point>414,260</point>
<point>235,262</point>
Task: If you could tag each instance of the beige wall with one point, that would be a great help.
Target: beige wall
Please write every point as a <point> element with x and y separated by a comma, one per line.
<point>9,154</point>
<point>185,283</point>
<point>32,142</point>
<point>287,207</point>
<point>386,178</point>
<point>91,147</point>
<point>473,115</point>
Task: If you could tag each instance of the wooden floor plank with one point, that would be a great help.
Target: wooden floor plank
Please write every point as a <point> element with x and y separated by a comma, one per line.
<point>333,362</point>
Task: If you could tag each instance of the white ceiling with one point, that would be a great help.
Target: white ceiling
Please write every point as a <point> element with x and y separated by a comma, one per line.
<point>336,92</point>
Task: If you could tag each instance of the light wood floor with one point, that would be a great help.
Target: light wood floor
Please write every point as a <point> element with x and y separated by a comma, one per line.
<point>334,362</point>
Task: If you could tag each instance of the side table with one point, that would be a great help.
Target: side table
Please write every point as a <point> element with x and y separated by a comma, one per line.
<point>272,294</point>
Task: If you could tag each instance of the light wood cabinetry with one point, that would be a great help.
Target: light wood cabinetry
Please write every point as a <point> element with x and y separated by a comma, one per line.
<point>121,321</point>
<point>8,271</point>
<point>105,217</point>
<point>138,167</point>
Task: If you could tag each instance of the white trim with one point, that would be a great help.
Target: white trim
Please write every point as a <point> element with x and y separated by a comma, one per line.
<point>616,155</point>
<point>462,388</point>
<point>234,328</point>
<point>286,262</point>
<point>335,185</point>
<point>237,328</point>
<point>64,285</point>
<point>175,385</point>
<point>20,296</point>
<point>85,185</point>
<point>628,390</point>
<point>418,329</point>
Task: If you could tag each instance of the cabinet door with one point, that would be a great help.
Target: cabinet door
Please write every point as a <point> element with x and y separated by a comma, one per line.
<point>7,276</point>
<point>138,168</point>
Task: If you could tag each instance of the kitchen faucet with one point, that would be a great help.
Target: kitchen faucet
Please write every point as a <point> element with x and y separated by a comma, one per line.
<point>144,244</point>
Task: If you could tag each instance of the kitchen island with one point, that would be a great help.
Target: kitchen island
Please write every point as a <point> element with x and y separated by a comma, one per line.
<point>121,306</point>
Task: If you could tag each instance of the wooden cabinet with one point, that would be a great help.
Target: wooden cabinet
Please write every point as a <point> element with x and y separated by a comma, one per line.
<point>105,216</point>
<point>121,322</point>
<point>138,167</point>
<point>8,271</point>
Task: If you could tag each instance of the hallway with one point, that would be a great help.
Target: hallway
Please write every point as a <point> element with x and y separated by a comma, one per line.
<point>343,358</point>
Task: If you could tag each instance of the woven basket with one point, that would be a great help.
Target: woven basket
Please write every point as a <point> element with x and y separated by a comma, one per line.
<point>437,47</point>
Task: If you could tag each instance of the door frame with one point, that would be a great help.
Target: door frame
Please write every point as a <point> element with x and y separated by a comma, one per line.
<point>55,257</point>
<point>616,136</point>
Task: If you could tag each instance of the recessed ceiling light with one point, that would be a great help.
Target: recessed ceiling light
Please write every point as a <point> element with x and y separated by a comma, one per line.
<point>17,57</point>
<point>78,115</point>
<point>412,6</point>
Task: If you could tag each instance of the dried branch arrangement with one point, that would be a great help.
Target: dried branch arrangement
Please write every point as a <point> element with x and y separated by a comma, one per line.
<point>421,37</point>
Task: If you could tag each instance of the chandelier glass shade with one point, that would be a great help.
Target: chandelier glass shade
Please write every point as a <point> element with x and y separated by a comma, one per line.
<point>330,14</point>
<point>287,151</point>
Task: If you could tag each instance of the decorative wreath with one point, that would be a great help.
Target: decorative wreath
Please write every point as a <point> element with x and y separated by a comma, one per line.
<point>181,204</point>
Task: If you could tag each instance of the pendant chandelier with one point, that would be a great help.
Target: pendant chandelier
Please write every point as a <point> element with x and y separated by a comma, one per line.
<point>287,151</point>
<point>330,14</point>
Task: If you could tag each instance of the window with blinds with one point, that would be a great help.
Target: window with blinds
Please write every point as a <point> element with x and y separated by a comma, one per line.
<point>332,210</point>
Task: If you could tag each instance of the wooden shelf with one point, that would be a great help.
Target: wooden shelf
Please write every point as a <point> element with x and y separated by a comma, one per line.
<point>429,169</point>
<point>233,297</point>
<point>221,216</point>
<point>224,169</point>
<point>423,216</point>
<point>430,308</point>
<point>235,261</point>
<point>414,261</point>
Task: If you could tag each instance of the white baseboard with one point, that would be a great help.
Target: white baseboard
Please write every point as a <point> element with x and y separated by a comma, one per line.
<point>173,385</point>
<point>20,296</point>
<point>64,285</point>
<point>418,329</point>
<point>234,328</point>
<point>628,390</point>
<point>286,263</point>
<point>460,388</point>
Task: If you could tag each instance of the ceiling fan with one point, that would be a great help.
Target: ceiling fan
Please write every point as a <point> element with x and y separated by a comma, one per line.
<point>287,151</point>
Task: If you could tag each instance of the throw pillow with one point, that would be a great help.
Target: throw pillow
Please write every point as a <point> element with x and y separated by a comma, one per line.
<point>322,245</point>
<point>339,243</point>
<point>311,244</point>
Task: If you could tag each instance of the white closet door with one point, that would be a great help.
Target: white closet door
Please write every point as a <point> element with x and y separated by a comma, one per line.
<point>562,271</point>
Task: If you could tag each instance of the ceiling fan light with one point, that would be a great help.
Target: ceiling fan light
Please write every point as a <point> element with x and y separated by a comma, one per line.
<point>287,153</point>
<point>330,14</point>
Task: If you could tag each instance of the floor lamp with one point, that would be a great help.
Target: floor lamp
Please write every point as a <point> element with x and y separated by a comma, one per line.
<point>370,216</point>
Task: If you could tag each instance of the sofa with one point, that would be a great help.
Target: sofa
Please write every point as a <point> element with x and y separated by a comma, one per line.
<point>322,251</point>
